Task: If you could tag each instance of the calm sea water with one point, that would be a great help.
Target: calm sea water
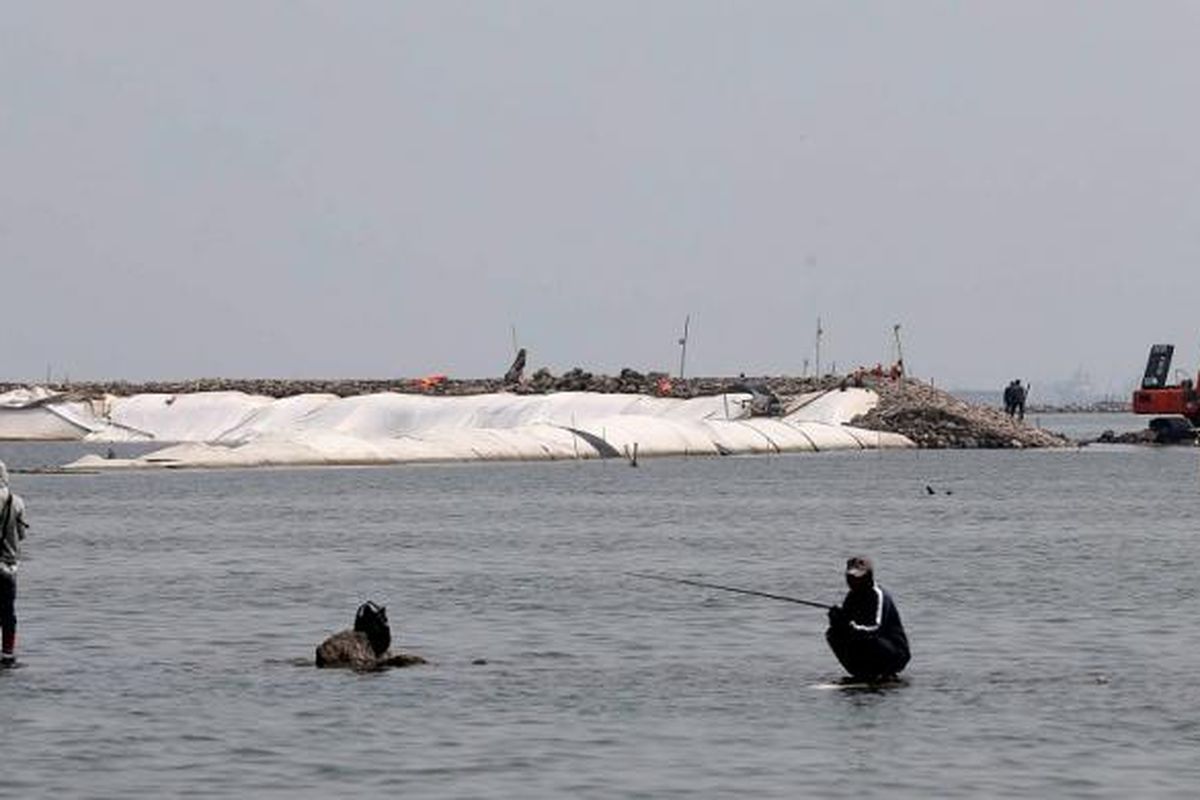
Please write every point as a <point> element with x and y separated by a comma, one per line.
<point>1050,599</point>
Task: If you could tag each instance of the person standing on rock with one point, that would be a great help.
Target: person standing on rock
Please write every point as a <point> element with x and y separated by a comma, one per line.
<point>1019,400</point>
<point>12,531</point>
<point>1010,399</point>
<point>865,632</point>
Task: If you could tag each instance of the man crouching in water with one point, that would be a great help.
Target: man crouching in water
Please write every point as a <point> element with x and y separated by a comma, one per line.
<point>865,632</point>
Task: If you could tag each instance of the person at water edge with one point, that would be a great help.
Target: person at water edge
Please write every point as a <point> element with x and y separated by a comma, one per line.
<point>1019,399</point>
<point>865,632</point>
<point>12,531</point>
<point>1010,398</point>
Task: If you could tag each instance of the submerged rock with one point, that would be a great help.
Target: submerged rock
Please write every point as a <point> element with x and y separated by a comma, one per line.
<point>352,650</point>
<point>1145,436</point>
<point>1165,435</point>
<point>364,648</point>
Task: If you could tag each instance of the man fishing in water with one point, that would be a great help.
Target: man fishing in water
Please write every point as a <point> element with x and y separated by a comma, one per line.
<point>865,632</point>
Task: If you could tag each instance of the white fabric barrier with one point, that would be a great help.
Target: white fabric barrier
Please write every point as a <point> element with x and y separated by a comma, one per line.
<point>38,414</point>
<point>204,417</point>
<point>38,423</point>
<point>230,429</point>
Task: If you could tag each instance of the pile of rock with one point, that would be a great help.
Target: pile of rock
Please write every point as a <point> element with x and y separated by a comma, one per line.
<point>1161,430</point>
<point>936,419</point>
<point>543,381</point>
<point>1144,436</point>
<point>629,381</point>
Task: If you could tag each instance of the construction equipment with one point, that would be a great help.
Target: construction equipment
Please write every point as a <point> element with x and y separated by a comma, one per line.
<point>1177,404</point>
<point>763,402</point>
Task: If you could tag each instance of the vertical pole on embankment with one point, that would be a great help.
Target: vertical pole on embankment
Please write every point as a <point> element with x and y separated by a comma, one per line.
<point>817,361</point>
<point>899,349</point>
<point>683,345</point>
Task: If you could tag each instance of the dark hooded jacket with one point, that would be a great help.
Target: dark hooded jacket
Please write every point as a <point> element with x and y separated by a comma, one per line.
<point>12,522</point>
<point>867,636</point>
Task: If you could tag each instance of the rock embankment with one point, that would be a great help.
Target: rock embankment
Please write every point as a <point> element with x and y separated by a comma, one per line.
<point>1144,436</point>
<point>628,381</point>
<point>930,417</point>
<point>936,419</point>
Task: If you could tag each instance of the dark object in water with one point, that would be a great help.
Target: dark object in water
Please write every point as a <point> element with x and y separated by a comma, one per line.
<point>366,646</point>
<point>1144,436</point>
<point>1172,430</point>
<point>372,620</point>
<point>1161,430</point>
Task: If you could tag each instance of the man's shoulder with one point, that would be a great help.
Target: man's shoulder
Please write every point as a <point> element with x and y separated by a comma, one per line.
<point>13,502</point>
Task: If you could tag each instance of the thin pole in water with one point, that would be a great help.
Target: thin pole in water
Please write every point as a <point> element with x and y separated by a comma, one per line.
<point>705,585</point>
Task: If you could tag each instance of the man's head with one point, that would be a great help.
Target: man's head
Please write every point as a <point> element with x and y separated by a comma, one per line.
<point>860,573</point>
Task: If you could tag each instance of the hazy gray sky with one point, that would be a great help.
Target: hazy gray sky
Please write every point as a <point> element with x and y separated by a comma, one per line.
<point>373,189</point>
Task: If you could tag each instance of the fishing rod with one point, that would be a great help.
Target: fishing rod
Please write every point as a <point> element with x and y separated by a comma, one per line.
<point>705,585</point>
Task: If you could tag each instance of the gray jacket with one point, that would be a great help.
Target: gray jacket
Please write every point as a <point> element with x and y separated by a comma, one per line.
<point>12,522</point>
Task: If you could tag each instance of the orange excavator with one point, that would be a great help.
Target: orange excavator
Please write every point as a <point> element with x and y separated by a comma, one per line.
<point>1177,405</point>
